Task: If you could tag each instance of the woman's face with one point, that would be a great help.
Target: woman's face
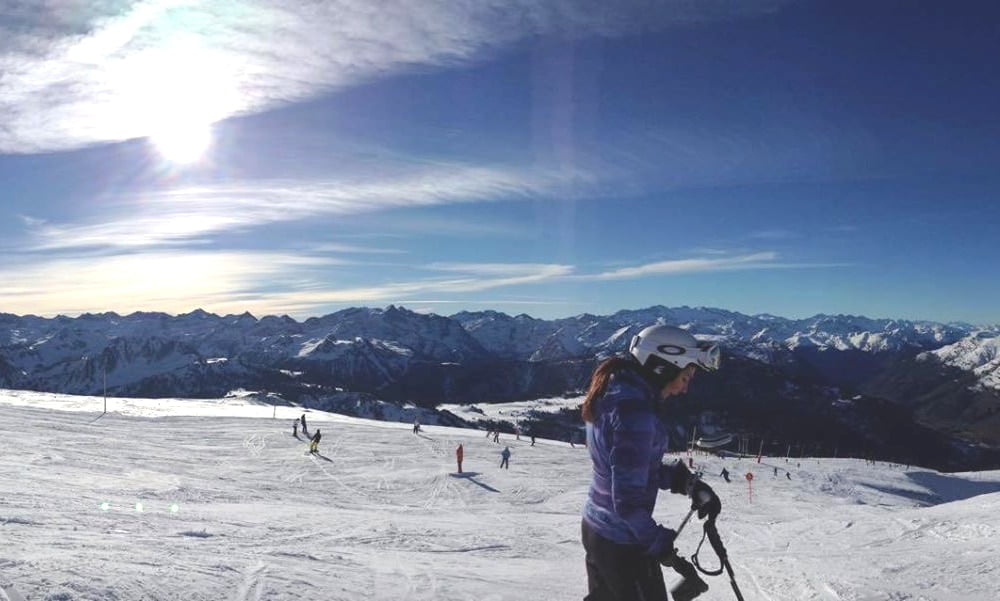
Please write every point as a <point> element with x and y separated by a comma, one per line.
<point>679,385</point>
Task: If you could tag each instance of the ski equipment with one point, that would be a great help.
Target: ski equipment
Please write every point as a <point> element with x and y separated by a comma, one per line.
<point>691,584</point>
<point>712,532</point>
<point>658,346</point>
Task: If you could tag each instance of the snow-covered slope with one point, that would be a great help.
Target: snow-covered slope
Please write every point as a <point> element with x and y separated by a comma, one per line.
<point>233,508</point>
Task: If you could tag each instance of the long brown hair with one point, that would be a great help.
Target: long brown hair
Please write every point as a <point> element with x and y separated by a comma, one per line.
<point>599,383</point>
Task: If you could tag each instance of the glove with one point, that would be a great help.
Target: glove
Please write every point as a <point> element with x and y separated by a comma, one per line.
<point>691,584</point>
<point>668,557</point>
<point>704,499</point>
<point>663,547</point>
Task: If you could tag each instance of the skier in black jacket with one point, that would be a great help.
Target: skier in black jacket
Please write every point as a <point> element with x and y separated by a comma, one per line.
<point>314,442</point>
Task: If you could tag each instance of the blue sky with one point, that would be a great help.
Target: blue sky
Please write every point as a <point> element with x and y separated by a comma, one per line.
<point>785,157</point>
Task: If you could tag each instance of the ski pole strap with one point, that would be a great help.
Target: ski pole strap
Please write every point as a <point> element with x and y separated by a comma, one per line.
<point>720,550</point>
<point>713,538</point>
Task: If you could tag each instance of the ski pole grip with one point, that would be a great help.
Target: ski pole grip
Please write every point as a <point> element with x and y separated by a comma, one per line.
<point>714,540</point>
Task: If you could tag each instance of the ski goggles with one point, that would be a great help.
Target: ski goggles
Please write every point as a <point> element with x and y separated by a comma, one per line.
<point>709,355</point>
<point>706,355</point>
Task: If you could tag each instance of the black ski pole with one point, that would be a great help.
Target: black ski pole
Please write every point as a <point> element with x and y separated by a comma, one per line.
<point>712,532</point>
<point>732,581</point>
<point>691,585</point>
<point>684,522</point>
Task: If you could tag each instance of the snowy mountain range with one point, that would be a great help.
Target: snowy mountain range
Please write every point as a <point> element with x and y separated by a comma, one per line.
<point>394,354</point>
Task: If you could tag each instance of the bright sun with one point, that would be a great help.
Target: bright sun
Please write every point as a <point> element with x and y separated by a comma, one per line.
<point>183,143</point>
<point>172,95</point>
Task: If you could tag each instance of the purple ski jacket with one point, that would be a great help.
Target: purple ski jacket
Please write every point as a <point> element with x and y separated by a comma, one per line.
<point>626,441</point>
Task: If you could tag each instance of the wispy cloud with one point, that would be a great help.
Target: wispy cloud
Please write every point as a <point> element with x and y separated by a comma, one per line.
<point>774,234</point>
<point>704,250</point>
<point>77,73</point>
<point>171,282</point>
<point>31,221</point>
<point>189,214</point>
<point>499,269</point>
<point>335,247</point>
<point>683,266</point>
<point>760,260</point>
<point>281,283</point>
<point>308,302</point>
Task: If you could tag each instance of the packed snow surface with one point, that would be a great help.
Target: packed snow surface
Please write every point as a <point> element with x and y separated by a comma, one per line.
<point>212,500</point>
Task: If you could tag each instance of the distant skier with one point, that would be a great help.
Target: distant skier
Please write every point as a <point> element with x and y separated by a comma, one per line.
<point>459,455</point>
<point>532,439</point>
<point>788,475</point>
<point>314,442</point>
<point>416,425</point>
<point>725,474</point>
<point>776,471</point>
<point>303,418</point>
<point>505,458</point>
<point>295,428</point>
<point>496,436</point>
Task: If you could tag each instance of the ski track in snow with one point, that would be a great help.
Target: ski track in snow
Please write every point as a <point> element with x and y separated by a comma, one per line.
<point>380,513</point>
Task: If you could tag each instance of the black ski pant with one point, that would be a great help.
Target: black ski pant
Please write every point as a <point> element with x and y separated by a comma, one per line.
<point>617,572</point>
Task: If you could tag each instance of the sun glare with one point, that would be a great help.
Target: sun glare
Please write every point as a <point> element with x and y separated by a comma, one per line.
<point>183,143</point>
<point>172,95</point>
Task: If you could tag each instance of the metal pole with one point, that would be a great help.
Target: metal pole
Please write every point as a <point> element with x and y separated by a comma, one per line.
<point>683,523</point>
<point>105,372</point>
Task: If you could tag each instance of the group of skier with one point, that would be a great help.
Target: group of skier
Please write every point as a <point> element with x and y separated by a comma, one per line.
<point>313,440</point>
<point>459,451</point>
<point>460,456</point>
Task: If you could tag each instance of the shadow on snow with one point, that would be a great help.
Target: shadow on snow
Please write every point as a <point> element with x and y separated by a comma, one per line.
<point>470,476</point>
<point>940,488</point>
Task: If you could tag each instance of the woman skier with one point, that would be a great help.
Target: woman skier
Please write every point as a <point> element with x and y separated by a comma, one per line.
<point>626,439</point>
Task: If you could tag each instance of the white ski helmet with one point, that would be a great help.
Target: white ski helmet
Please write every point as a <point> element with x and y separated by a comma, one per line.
<point>660,346</point>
